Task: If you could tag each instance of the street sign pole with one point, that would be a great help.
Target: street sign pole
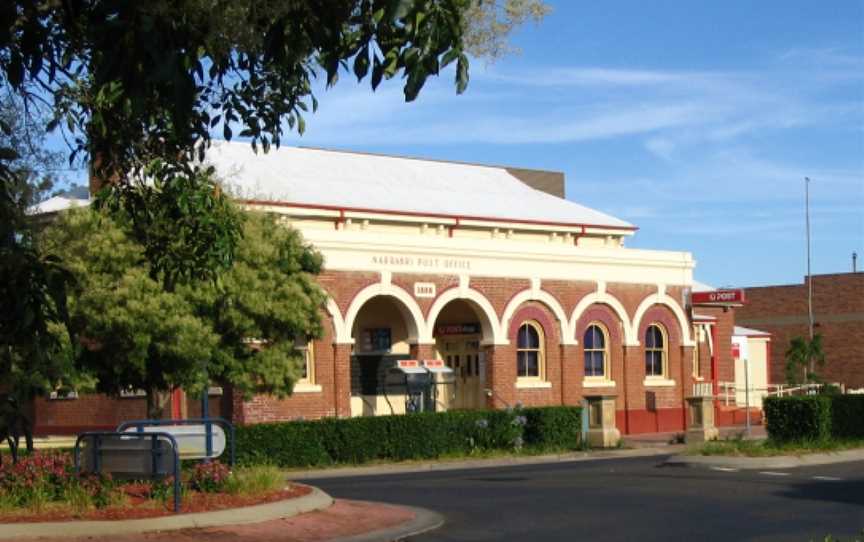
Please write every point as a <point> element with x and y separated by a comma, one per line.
<point>747,393</point>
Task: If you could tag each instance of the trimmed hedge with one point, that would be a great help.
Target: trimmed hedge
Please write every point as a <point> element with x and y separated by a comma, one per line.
<point>413,436</point>
<point>814,417</point>
<point>847,416</point>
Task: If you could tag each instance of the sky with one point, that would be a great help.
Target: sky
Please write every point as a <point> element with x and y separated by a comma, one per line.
<point>696,121</point>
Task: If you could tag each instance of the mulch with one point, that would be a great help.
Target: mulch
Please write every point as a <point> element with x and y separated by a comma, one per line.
<point>138,507</point>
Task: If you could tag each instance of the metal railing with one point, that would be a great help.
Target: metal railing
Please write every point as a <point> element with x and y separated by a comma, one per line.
<point>728,391</point>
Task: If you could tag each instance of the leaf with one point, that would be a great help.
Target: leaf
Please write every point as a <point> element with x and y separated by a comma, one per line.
<point>361,63</point>
<point>462,74</point>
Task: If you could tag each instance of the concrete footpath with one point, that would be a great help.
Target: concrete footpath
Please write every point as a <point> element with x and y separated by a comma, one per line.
<point>775,462</point>
<point>344,521</point>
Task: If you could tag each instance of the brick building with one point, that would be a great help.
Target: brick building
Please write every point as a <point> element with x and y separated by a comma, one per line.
<point>526,296</point>
<point>838,313</point>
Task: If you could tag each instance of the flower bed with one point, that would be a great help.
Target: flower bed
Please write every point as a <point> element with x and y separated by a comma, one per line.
<point>44,487</point>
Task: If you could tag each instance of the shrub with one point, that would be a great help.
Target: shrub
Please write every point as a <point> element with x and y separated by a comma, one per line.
<point>847,416</point>
<point>553,427</point>
<point>796,419</point>
<point>427,435</point>
<point>255,480</point>
<point>210,477</point>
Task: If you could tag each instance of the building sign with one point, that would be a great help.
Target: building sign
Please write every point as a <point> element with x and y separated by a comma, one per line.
<point>457,329</point>
<point>424,289</point>
<point>718,297</point>
<point>736,351</point>
<point>421,262</point>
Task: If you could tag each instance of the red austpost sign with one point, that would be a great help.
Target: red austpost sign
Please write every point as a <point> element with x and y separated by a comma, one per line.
<point>718,297</point>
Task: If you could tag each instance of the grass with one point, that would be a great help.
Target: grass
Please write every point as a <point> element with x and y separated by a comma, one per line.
<point>527,451</point>
<point>255,480</point>
<point>768,448</point>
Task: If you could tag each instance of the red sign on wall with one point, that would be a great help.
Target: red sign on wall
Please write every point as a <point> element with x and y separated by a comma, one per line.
<point>736,351</point>
<point>718,297</point>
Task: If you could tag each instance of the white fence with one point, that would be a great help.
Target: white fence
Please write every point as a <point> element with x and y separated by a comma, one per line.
<point>728,393</point>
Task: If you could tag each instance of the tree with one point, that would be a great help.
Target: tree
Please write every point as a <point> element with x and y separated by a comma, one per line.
<point>488,24</point>
<point>136,81</point>
<point>800,358</point>
<point>35,352</point>
<point>137,334</point>
<point>139,88</point>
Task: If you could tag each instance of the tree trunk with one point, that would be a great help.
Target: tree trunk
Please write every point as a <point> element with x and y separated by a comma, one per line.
<point>155,404</point>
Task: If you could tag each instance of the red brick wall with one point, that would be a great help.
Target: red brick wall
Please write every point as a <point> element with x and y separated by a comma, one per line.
<point>838,308</point>
<point>87,413</point>
<point>564,363</point>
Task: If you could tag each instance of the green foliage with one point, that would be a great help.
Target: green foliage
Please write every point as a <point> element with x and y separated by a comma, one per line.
<point>185,223</point>
<point>847,416</point>
<point>793,419</point>
<point>136,333</point>
<point>815,417</point>
<point>413,436</point>
<point>557,427</point>
<point>255,480</point>
<point>42,478</point>
<point>801,358</point>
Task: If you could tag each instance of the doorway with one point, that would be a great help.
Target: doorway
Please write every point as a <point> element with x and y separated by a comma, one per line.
<point>462,354</point>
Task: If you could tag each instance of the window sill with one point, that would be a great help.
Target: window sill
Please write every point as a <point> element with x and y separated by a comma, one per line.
<point>304,387</point>
<point>532,384</point>
<point>658,382</point>
<point>598,383</point>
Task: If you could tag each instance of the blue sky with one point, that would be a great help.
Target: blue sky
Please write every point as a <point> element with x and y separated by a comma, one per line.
<point>697,121</point>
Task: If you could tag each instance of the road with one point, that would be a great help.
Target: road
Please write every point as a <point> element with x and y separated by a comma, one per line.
<point>625,499</point>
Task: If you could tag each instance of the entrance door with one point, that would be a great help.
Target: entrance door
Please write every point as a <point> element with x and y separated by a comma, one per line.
<point>462,354</point>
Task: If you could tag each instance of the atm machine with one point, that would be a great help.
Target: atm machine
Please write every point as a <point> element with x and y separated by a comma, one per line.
<point>420,382</point>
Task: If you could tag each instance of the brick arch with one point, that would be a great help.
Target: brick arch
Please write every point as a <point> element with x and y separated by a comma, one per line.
<point>488,319</point>
<point>661,314</point>
<point>605,315</point>
<point>531,312</point>
<point>548,301</point>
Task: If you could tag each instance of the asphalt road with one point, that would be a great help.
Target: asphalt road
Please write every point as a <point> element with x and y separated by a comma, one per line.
<point>626,499</point>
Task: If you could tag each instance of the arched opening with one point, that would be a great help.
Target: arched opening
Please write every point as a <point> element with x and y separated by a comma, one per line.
<point>460,331</point>
<point>383,332</point>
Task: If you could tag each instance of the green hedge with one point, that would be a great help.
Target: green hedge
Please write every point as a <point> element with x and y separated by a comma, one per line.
<point>847,416</point>
<point>814,417</point>
<point>414,436</point>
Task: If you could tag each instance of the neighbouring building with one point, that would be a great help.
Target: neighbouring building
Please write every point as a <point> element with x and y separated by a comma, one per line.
<point>525,296</point>
<point>838,313</point>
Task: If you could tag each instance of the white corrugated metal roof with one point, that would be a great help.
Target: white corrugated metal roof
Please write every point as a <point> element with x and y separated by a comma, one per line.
<point>56,204</point>
<point>747,332</point>
<point>702,287</point>
<point>389,183</point>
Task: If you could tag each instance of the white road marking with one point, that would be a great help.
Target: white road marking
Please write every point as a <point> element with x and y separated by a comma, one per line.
<point>771,473</point>
<point>724,469</point>
<point>828,478</point>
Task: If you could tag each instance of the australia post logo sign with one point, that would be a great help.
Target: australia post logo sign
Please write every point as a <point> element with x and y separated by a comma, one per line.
<point>718,297</point>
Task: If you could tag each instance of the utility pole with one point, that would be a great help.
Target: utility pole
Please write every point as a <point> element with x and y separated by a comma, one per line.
<point>809,277</point>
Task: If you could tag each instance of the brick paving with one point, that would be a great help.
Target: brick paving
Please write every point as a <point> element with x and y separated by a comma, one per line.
<point>344,518</point>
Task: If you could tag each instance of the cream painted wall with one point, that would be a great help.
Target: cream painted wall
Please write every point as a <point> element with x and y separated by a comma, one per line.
<point>757,355</point>
<point>383,312</point>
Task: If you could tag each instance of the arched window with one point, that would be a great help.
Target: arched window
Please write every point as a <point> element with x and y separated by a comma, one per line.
<point>655,351</point>
<point>594,344</point>
<point>529,351</point>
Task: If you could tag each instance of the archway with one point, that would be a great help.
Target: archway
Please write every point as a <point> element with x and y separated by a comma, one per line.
<point>383,329</point>
<point>461,327</point>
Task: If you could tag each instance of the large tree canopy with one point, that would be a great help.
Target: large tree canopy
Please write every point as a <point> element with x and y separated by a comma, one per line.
<point>134,333</point>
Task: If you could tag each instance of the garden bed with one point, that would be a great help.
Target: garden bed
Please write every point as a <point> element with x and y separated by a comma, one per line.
<point>43,487</point>
<point>140,508</point>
